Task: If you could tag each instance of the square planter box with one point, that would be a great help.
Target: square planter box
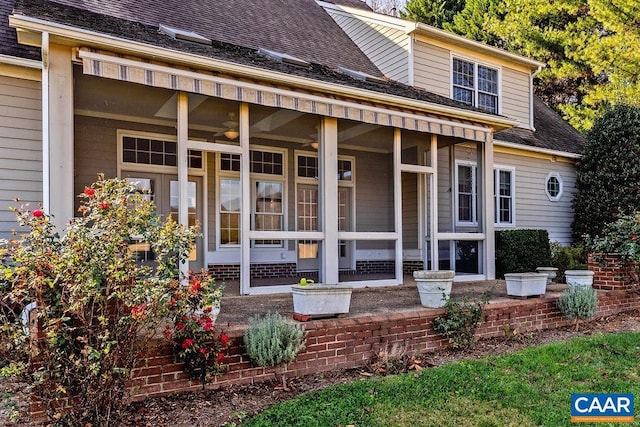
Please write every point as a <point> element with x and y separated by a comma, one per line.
<point>526,284</point>
<point>318,300</point>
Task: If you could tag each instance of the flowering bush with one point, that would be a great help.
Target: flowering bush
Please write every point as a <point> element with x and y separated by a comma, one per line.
<point>97,308</point>
<point>197,342</point>
<point>620,237</point>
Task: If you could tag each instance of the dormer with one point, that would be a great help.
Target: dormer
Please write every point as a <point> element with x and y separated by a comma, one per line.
<point>489,78</point>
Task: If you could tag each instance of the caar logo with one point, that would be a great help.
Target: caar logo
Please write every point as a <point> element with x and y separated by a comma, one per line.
<point>604,408</point>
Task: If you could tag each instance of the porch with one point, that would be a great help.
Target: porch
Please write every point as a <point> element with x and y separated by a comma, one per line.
<point>365,302</point>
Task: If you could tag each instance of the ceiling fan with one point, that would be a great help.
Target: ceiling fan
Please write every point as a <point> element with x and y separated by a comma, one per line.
<point>232,128</point>
<point>313,141</point>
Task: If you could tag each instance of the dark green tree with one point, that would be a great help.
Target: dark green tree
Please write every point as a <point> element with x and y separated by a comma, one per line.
<point>472,21</point>
<point>432,12</point>
<point>608,182</point>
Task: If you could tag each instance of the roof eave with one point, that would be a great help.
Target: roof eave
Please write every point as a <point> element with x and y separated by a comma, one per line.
<point>109,42</point>
<point>445,36</point>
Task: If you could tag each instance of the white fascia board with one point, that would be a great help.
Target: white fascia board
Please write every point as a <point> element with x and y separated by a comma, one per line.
<point>445,36</point>
<point>370,16</point>
<point>140,49</point>
<point>20,62</point>
<point>565,154</point>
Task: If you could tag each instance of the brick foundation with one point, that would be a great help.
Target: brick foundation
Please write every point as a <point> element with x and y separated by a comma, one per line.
<point>350,342</point>
<point>408,267</point>
<point>224,272</point>
<point>611,272</point>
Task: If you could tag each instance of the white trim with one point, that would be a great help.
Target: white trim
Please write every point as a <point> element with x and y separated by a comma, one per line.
<point>476,90</point>
<point>496,192</point>
<point>556,175</point>
<point>245,190</point>
<point>23,62</point>
<point>474,194</point>
<point>461,236</point>
<point>46,139</point>
<point>566,154</point>
<point>397,200</point>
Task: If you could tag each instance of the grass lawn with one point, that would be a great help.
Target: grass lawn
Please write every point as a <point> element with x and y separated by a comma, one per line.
<point>528,388</point>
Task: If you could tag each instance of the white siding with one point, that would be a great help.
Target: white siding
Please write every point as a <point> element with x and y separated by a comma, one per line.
<point>20,147</point>
<point>387,48</point>
<point>432,68</point>
<point>515,96</point>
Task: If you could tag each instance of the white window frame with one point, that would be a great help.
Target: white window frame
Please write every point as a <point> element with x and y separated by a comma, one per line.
<point>496,195</point>
<point>141,167</point>
<point>474,196</point>
<point>475,88</point>
<point>557,176</point>
<point>254,178</point>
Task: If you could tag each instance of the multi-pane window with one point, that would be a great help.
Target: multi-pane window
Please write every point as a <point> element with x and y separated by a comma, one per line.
<point>267,194</point>
<point>475,84</point>
<point>466,186</point>
<point>307,167</point>
<point>467,190</point>
<point>553,186</point>
<point>229,211</point>
<point>344,170</point>
<point>503,193</point>
<point>268,214</point>
<point>157,152</point>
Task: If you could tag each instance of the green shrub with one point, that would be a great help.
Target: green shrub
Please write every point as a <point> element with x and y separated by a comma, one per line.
<point>460,321</point>
<point>579,303</point>
<point>271,341</point>
<point>521,251</point>
<point>608,174</point>
<point>97,308</point>
<point>565,258</point>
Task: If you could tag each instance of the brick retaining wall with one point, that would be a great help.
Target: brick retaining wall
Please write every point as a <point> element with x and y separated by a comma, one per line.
<point>350,342</point>
<point>611,272</point>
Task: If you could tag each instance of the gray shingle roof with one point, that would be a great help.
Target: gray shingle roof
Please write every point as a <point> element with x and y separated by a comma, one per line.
<point>149,34</point>
<point>8,41</point>
<point>552,132</point>
<point>297,27</point>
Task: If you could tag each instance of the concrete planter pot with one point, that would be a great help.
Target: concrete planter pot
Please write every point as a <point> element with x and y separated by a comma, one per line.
<point>526,284</point>
<point>551,273</point>
<point>434,287</point>
<point>575,278</point>
<point>318,300</point>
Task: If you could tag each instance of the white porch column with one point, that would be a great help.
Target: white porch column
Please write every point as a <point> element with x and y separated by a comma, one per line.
<point>57,132</point>
<point>245,200</point>
<point>183,165</point>
<point>487,220</point>
<point>397,199</point>
<point>328,151</point>
<point>433,201</point>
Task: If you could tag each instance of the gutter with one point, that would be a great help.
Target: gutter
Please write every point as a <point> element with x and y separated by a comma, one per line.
<point>565,154</point>
<point>21,62</point>
<point>141,49</point>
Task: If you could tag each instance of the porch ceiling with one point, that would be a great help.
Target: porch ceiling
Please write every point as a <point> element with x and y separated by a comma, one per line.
<point>202,83</point>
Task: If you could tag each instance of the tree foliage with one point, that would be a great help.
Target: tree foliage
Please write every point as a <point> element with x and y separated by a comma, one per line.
<point>592,48</point>
<point>472,21</point>
<point>432,12</point>
<point>608,180</point>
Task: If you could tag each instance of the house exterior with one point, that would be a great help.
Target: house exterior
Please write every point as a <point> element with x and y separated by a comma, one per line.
<point>299,149</point>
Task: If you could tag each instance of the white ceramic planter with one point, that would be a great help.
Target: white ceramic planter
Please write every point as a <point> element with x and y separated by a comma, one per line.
<point>575,278</point>
<point>526,284</point>
<point>321,300</point>
<point>551,273</point>
<point>434,287</point>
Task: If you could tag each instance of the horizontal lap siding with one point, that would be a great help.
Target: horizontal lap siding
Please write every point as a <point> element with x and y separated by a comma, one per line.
<point>533,207</point>
<point>515,96</point>
<point>20,147</point>
<point>386,47</point>
<point>432,67</point>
